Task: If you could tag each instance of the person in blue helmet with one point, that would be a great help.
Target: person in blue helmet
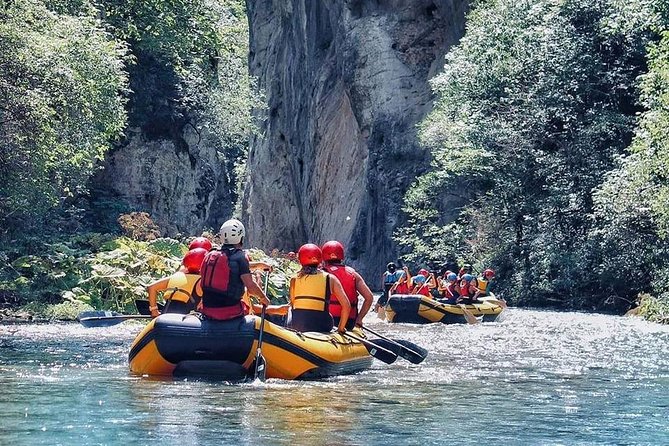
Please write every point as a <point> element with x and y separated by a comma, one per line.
<point>390,278</point>
<point>467,290</point>
<point>447,288</point>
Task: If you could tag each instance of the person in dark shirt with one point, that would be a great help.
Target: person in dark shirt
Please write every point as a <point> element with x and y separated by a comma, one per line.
<point>226,275</point>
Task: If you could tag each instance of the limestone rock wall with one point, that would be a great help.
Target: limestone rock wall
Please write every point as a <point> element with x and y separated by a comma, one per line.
<point>346,83</point>
<point>180,181</point>
<point>169,163</point>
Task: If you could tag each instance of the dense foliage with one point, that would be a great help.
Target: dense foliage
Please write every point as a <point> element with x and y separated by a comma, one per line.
<point>74,74</point>
<point>534,109</point>
<point>100,271</point>
<point>633,204</point>
<point>61,105</point>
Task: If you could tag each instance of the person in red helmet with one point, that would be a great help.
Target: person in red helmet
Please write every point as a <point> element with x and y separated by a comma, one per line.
<point>484,285</point>
<point>310,293</point>
<point>178,289</point>
<point>200,242</point>
<point>352,283</point>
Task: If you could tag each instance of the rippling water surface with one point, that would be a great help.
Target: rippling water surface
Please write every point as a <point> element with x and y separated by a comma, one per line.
<point>533,378</point>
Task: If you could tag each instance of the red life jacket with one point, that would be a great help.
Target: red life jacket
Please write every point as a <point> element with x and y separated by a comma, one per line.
<point>346,276</point>
<point>451,291</point>
<point>402,288</point>
<point>465,289</point>
<point>221,299</point>
<point>424,291</point>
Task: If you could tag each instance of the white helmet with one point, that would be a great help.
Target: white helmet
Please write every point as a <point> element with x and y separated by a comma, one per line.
<point>232,232</point>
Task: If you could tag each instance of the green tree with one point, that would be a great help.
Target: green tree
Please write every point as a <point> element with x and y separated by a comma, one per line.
<point>61,84</point>
<point>632,206</point>
<point>533,108</point>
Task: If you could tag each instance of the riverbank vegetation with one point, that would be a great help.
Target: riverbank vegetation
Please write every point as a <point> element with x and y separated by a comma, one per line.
<point>75,77</point>
<point>57,278</point>
<point>549,131</point>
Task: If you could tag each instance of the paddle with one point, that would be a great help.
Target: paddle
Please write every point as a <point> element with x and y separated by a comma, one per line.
<point>92,319</point>
<point>143,307</point>
<point>261,364</point>
<point>407,350</point>
<point>374,349</point>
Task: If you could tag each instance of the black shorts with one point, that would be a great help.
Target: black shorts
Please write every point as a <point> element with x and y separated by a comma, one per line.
<point>307,320</point>
<point>175,306</point>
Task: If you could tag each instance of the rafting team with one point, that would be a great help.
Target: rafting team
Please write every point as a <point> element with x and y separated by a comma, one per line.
<point>448,287</point>
<point>323,293</point>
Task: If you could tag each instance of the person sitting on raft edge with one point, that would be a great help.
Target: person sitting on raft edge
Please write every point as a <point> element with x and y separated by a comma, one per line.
<point>310,292</point>
<point>179,288</point>
<point>351,282</point>
<point>226,275</point>
<point>484,285</point>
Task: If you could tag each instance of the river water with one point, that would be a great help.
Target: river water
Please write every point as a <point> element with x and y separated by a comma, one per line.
<point>536,377</point>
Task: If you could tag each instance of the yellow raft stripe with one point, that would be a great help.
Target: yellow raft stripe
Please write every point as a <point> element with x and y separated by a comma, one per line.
<point>307,351</point>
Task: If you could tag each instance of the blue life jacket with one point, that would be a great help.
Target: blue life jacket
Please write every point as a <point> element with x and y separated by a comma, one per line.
<point>390,278</point>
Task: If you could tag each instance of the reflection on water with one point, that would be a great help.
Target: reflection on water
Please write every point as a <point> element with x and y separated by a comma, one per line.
<point>534,378</point>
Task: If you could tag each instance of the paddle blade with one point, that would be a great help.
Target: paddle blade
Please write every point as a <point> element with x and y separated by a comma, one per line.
<point>411,352</point>
<point>92,319</point>
<point>375,349</point>
<point>379,351</point>
<point>261,367</point>
<point>408,350</point>
<point>94,322</point>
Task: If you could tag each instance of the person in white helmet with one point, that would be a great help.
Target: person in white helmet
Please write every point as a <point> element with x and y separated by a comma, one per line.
<point>226,275</point>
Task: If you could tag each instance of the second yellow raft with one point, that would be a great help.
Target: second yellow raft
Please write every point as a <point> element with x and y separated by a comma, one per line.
<point>418,309</point>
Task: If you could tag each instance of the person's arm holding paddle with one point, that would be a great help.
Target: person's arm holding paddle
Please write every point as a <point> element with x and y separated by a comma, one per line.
<point>338,291</point>
<point>153,289</point>
<point>254,289</point>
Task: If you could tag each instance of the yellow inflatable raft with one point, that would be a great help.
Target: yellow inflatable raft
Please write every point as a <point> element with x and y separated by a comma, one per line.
<point>417,309</point>
<point>176,345</point>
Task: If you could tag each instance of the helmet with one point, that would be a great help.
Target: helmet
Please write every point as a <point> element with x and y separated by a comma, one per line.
<point>452,276</point>
<point>232,232</point>
<point>309,255</point>
<point>200,242</point>
<point>391,267</point>
<point>333,250</point>
<point>419,279</point>
<point>467,267</point>
<point>488,273</point>
<point>467,277</point>
<point>193,260</point>
<point>424,273</point>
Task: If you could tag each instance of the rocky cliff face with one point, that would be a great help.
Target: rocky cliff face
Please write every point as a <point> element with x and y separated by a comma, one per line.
<point>346,83</point>
<point>168,165</point>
